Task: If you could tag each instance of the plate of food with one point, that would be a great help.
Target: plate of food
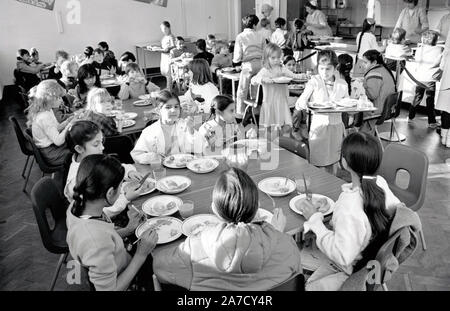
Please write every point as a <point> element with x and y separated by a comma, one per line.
<point>251,145</point>
<point>296,86</point>
<point>324,204</point>
<point>145,97</point>
<point>178,160</point>
<point>325,105</point>
<point>142,103</point>
<point>347,103</point>
<point>203,166</point>
<point>130,115</point>
<point>110,82</point>
<point>173,184</point>
<point>167,228</point>
<point>162,205</point>
<point>148,187</point>
<point>263,215</point>
<point>282,80</point>
<point>277,186</point>
<point>106,76</point>
<point>197,223</point>
<point>128,123</point>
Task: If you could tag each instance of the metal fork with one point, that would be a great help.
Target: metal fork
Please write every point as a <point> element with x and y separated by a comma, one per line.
<point>273,201</point>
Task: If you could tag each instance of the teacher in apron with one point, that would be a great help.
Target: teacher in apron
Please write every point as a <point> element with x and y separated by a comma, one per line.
<point>316,21</point>
<point>414,20</point>
<point>167,44</point>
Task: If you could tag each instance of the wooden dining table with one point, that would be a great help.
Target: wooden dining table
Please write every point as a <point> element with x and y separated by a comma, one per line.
<point>289,165</point>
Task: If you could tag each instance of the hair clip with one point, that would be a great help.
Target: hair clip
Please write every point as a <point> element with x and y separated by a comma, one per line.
<point>369,177</point>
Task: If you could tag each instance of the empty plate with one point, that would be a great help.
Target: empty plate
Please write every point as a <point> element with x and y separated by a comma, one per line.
<point>277,186</point>
<point>162,205</point>
<point>198,223</point>
<point>323,203</point>
<point>203,166</point>
<point>173,184</point>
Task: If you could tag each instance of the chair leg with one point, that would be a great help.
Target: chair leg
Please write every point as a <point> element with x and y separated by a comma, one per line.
<point>384,286</point>
<point>156,284</point>
<point>422,238</point>
<point>25,167</point>
<point>377,134</point>
<point>58,267</point>
<point>396,132</point>
<point>28,176</point>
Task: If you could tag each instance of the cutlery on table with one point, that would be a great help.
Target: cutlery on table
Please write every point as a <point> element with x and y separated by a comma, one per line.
<point>307,193</point>
<point>141,183</point>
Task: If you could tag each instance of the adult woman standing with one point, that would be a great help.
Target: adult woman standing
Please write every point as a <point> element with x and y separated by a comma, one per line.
<point>443,101</point>
<point>266,12</point>
<point>167,44</point>
<point>414,20</point>
<point>316,21</point>
<point>248,50</point>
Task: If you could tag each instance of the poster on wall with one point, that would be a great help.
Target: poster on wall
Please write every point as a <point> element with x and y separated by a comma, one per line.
<point>44,4</point>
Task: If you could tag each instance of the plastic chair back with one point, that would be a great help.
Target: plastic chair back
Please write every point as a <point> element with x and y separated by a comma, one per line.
<point>45,168</point>
<point>25,146</point>
<point>295,284</point>
<point>391,108</point>
<point>45,195</point>
<point>400,157</point>
<point>299,148</point>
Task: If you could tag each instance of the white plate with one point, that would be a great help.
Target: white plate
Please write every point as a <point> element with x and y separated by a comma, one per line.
<point>282,80</point>
<point>296,87</point>
<point>178,160</point>
<point>148,187</point>
<point>142,103</point>
<point>173,184</point>
<point>228,69</point>
<point>110,82</point>
<point>292,203</point>
<point>167,228</point>
<point>347,103</point>
<point>259,145</point>
<point>162,205</point>
<point>326,105</point>
<point>263,215</point>
<point>128,123</point>
<point>203,166</point>
<point>145,97</point>
<point>130,115</point>
<point>106,77</point>
<point>198,223</point>
<point>273,185</point>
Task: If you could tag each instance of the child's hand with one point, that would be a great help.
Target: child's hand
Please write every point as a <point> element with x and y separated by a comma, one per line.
<point>190,125</point>
<point>279,219</point>
<point>308,209</point>
<point>134,219</point>
<point>147,243</point>
<point>135,176</point>
<point>132,194</point>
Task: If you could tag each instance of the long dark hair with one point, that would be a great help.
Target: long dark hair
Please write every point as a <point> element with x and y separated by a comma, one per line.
<point>87,71</point>
<point>96,175</point>
<point>367,25</point>
<point>80,133</point>
<point>201,71</point>
<point>345,66</point>
<point>235,196</point>
<point>363,155</point>
<point>220,103</point>
<point>374,55</point>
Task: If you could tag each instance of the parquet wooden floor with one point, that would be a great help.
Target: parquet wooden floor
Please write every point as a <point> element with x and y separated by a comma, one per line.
<point>26,265</point>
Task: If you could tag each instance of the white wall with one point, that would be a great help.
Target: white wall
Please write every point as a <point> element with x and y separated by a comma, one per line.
<point>121,23</point>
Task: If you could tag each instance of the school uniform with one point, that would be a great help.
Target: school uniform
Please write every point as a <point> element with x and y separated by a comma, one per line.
<point>327,130</point>
<point>279,37</point>
<point>411,20</point>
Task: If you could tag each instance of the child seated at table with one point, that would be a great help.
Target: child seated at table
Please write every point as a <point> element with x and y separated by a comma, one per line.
<point>202,53</point>
<point>92,239</point>
<point>103,68</point>
<point>361,218</point>
<point>275,107</point>
<point>69,72</point>
<point>28,72</point>
<point>87,57</point>
<point>99,110</point>
<point>201,85</point>
<point>85,138</point>
<point>180,50</point>
<point>134,83</point>
<point>48,133</point>
<point>428,59</point>
<point>87,79</point>
<point>35,56</point>
<point>397,49</point>
<point>279,36</point>
<point>169,135</point>
<point>55,71</point>
<point>222,128</point>
<point>327,130</point>
<point>211,43</point>
<point>125,59</point>
<point>221,60</point>
<point>110,60</point>
<point>290,63</point>
<point>235,254</point>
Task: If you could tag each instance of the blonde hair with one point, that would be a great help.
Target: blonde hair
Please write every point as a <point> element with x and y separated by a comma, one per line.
<point>268,51</point>
<point>42,98</point>
<point>97,96</point>
<point>69,67</point>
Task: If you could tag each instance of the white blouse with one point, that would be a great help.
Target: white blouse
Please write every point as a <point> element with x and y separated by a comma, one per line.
<point>45,130</point>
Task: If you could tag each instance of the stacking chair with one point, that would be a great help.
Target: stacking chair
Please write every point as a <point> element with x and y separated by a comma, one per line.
<point>295,284</point>
<point>45,196</point>
<point>299,148</point>
<point>43,165</point>
<point>253,105</point>
<point>25,147</point>
<point>400,157</point>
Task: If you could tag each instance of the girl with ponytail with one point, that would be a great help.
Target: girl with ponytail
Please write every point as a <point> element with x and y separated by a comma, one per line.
<point>222,126</point>
<point>361,217</point>
<point>365,41</point>
<point>91,235</point>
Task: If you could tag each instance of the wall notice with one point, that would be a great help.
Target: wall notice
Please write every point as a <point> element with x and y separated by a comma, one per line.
<point>43,4</point>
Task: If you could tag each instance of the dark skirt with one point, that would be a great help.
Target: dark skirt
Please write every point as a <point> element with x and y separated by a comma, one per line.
<point>54,155</point>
